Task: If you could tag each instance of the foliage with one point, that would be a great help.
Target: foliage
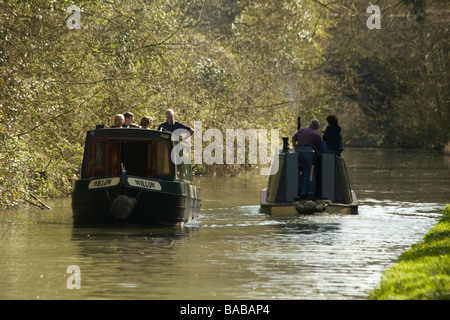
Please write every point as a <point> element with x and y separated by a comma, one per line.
<point>423,271</point>
<point>397,75</point>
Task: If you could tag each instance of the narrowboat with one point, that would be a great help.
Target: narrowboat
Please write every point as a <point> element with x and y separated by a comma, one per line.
<point>127,176</point>
<point>281,197</point>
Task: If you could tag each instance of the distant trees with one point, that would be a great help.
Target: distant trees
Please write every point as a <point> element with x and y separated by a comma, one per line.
<point>397,76</point>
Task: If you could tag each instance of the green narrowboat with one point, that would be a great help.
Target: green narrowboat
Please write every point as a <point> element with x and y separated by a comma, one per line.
<point>128,176</point>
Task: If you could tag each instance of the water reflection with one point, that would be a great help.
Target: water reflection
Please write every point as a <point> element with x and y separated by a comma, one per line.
<point>119,261</point>
<point>399,175</point>
<point>232,251</point>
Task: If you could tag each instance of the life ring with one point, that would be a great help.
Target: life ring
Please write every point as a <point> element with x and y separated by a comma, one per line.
<point>310,207</point>
<point>123,206</point>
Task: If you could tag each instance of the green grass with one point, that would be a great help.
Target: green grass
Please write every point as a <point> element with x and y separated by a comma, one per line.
<point>422,272</point>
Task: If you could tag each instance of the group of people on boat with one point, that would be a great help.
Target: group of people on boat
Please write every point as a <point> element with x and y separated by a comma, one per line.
<point>309,145</point>
<point>126,120</point>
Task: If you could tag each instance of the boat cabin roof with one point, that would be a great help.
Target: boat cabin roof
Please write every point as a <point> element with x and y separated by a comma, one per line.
<point>129,133</point>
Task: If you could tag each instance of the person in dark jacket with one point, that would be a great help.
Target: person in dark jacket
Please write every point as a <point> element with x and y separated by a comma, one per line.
<point>333,136</point>
<point>129,119</point>
<point>172,125</point>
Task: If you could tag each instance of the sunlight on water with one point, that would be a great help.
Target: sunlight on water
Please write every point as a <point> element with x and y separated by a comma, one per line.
<point>315,257</point>
<point>232,251</point>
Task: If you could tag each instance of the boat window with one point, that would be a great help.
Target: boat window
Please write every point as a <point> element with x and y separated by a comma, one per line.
<point>116,157</point>
<point>163,158</point>
<point>148,159</point>
<point>135,158</point>
<point>183,169</point>
<point>100,154</point>
<point>98,159</point>
<point>186,171</point>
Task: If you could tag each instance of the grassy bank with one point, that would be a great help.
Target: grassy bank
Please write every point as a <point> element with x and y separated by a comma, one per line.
<point>423,272</point>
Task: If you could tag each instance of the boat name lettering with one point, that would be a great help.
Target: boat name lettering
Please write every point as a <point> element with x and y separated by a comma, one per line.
<point>147,184</point>
<point>102,183</point>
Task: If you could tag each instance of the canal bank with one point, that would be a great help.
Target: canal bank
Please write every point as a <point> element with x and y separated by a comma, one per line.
<point>422,272</point>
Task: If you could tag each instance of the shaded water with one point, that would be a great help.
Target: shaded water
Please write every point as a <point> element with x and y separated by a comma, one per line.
<point>232,251</point>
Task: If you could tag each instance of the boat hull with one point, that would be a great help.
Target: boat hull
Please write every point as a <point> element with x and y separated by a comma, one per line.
<point>281,197</point>
<point>288,208</point>
<point>155,202</point>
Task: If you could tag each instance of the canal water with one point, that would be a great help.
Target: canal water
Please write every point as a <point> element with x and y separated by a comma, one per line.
<point>232,251</point>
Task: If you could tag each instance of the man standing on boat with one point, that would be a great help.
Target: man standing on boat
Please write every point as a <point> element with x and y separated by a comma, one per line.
<point>172,125</point>
<point>308,144</point>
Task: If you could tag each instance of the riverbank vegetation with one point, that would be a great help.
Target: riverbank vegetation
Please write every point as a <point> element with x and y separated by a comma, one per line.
<point>228,63</point>
<point>422,273</point>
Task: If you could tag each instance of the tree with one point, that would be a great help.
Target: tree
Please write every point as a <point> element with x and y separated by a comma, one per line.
<point>397,75</point>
